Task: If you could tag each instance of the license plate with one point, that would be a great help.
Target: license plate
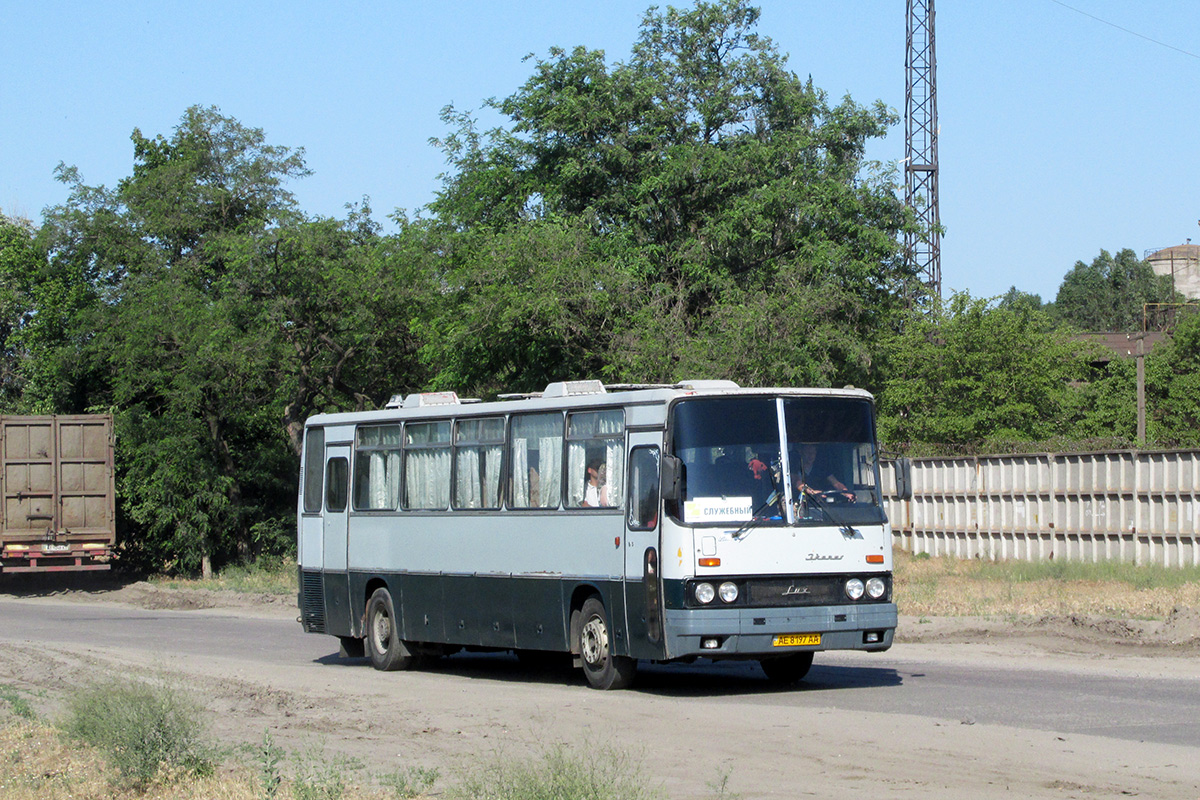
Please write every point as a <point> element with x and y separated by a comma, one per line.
<point>56,548</point>
<point>796,639</point>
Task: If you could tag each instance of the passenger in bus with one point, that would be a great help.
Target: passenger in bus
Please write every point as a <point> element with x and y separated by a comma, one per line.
<point>595,494</point>
<point>815,477</point>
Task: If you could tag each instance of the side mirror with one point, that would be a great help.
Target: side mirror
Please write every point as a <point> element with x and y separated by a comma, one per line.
<point>903,469</point>
<point>672,475</point>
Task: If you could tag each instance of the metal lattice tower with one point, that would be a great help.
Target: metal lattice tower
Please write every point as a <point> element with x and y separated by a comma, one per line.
<point>923,249</point>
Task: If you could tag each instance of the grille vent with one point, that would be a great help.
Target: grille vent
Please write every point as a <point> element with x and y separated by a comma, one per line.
<point>312,602</point>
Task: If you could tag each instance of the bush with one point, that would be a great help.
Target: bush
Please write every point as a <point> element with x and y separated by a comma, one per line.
<point>142,729</point>
<point>598,773</point>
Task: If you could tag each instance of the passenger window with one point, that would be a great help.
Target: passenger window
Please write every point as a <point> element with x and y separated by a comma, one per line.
<point>427,465</point>
<point>337,489</point>
<point>643,488</point>
<point>314,459</point>
<point>377,468</point>
<point>596,458</point>
<point>478,447</point>
<point>535,453</point>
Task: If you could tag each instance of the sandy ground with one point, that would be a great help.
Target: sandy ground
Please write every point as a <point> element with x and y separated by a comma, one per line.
<point>688,744</point>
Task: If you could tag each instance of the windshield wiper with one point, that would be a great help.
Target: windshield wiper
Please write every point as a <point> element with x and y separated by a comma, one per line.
<point>754,515</point>
<point>774,497</point>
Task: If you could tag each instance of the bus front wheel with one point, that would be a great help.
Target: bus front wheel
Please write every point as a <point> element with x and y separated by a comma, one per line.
<point>384,646</point>
<point>787,669</point>
<point>602,669</point>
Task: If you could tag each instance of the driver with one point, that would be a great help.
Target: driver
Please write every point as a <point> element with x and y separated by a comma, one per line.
<point>813,480</point>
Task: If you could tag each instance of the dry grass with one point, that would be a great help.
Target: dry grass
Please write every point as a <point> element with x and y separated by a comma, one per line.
<point>39,762</point>
<point>265,576</point>
<point>946,586</point>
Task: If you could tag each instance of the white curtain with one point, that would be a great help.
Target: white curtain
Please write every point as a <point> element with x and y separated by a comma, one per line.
<point>393,479</point>
<point>520,475</point>
<point>427,478</point>
<point>577,476</point>
<point>491,477</point>
<point>467,494</point>
<point>476,488</point>
<point>384,472</point>
<point>614,460</point>
<point>550,471</point>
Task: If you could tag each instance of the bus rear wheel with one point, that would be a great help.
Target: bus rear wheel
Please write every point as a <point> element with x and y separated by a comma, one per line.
<point>384,646</point>
<point>787,669</point>
<point>602,669</point>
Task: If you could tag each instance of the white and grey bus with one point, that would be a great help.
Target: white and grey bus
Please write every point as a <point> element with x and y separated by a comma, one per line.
<point>618,524</point>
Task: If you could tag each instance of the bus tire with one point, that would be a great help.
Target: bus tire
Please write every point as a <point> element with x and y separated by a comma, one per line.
<point>787,669</point>
<point>384,646</point>
<point>602,669</point>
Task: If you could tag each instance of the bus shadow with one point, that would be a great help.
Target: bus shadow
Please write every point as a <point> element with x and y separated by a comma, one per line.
<point>699,679</point>
<point>745,677</point>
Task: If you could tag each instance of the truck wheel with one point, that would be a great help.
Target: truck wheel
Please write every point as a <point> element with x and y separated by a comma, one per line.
<point>602,669</point>
<point>384,647</point>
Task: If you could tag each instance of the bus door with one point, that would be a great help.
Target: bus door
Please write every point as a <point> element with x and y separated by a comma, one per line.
<point>336,518</point>
<point>643,588</point>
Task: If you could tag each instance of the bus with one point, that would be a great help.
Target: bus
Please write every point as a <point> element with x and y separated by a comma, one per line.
<point>662,523</point>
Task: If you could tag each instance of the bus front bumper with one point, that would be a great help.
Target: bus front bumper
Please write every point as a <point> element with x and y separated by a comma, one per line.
<point>752,632</point>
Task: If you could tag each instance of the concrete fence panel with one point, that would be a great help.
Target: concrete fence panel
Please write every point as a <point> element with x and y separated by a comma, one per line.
<point>1135,506</point>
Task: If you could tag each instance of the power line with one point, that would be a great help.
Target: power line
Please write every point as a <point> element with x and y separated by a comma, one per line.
<point>1126,30</point>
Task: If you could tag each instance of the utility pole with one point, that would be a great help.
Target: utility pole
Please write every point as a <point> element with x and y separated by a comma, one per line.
<point>922,249</point>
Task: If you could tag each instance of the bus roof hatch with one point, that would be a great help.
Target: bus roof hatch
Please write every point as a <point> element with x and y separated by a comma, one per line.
<point>570,388</point>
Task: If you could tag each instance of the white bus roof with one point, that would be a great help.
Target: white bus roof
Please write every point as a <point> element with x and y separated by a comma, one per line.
<point>567,394</point>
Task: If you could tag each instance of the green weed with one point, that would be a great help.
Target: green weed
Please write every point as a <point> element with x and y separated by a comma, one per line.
<point>596,773</point>
<point>17,703</point>
<point>142,729</point>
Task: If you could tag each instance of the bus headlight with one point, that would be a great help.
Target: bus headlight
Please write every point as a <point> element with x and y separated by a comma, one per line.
<point>705,593</point>
<point>854,588</point>
<point>728,591</point>
<point>876,588</point>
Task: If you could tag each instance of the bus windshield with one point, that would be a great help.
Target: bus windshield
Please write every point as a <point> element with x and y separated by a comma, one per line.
<point>747,458</point>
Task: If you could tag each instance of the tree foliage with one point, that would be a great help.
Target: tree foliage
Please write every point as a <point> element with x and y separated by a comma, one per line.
<point>1110,293</point>
<point>198,304</point>
<point>709,175</point>
<point>973,372</point>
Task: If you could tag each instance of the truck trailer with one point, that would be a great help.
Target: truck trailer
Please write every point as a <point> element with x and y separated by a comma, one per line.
<point>56,478</point>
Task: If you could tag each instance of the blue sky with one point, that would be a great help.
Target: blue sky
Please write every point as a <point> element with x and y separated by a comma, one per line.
<point>1059,134</point>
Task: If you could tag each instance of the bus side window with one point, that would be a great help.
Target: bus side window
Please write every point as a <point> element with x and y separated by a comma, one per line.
<point>377,468</point>
<point>535,455</point>
<point>427,465</point>
<point>595,458</point>
<point>314,459</point>
<point>478,447</point>
<point>643,488</point>
<point>337,484</point>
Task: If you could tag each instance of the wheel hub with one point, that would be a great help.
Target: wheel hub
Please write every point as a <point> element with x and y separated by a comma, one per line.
<point>594,642</point>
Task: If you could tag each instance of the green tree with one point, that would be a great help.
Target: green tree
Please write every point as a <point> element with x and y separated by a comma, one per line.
<point>711,173</point>
<point>1173,387</point>
<point>1109,294</point>
<point>972,373</point>
<point>178,300</point>
<point>19,263</point>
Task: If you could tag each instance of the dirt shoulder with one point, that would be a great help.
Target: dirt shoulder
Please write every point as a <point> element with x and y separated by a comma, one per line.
<point>421,718</point>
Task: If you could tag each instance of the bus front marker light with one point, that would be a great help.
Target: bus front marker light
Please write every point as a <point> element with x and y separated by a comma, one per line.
<point>728,591</point>
<point>876,588</point>
<point>854,588</point>
<point>705,593</point>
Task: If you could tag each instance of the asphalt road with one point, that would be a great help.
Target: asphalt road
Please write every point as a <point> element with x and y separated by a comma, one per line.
<point>1127,700</point>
